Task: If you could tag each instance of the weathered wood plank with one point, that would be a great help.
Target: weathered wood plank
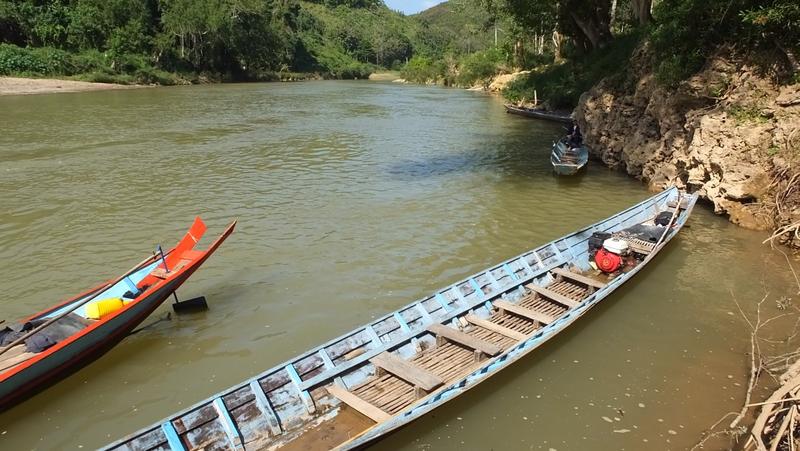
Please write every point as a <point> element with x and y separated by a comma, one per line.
<point>376,414</point>
<point>407,371</point>
<point>578,277</point>
<point>524,312</point>
<point>550,294</point>
<point>464,339</point>
<point>502,330</point>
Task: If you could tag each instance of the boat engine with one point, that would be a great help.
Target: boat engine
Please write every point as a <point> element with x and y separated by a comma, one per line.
<point>609,258</point>
<point>606,261</point>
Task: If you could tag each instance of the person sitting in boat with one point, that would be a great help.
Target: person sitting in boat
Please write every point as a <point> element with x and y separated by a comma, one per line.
<point>574,137</point>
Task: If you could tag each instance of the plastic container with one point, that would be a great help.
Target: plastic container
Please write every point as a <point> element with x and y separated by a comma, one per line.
<point>102,308</point>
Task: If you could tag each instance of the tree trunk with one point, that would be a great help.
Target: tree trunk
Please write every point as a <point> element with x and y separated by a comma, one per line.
<point>590,31</point>
<point>519,54</point>
<point>558,39</point>
<point>641,9</point>
<point>613,13</point>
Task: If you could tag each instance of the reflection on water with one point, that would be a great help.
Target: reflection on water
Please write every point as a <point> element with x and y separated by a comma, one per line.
<point>353,199</point>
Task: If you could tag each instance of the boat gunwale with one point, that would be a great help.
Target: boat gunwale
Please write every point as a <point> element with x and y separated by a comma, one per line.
<point>406,337</point>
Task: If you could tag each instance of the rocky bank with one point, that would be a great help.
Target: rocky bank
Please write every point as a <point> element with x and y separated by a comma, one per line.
<point>730,133</point>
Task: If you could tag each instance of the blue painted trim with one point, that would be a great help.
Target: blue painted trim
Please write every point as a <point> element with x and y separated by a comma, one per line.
<point>423,311</point>
<point>326,359</point>
<point>510,272</point>
<point>266,408</point>
<point>231,430</point>
<point>376,340</point>
<point>173,441</point>
<point>538,259</point>
<point>555,247</point>
<point>492,278</point>
<point>488,306</point>
<point>525,264</point>
<point>477,287</point>
<point>459,294</point>
<point>442,302</point>
<point>295,378</point>
<point>402,322</point>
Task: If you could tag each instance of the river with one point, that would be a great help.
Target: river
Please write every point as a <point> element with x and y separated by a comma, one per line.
<point>353,199</point>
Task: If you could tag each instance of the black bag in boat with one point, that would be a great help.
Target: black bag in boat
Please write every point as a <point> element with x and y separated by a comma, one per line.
<point>663,218</point>
<point>644,232</point>
<point>596,241</point>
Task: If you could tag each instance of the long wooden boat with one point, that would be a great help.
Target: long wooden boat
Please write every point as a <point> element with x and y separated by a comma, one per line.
<point>538,114</point>
<point>74,339</point>
<point>567,160</point>
<point>372,380</point>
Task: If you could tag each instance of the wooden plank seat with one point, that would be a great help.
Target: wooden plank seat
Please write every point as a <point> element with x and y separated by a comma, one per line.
<point>525,312</point>
<point>407,371</point>
<point>374,413</point>
<point>577,277</point>
<point>162,274</point>
<point>550,294</point>
<point>461,338</point>
<point>494,327</point>
<point>14,357</point>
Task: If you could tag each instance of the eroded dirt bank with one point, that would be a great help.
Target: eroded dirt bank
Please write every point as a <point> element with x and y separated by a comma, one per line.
<point>730,133</point>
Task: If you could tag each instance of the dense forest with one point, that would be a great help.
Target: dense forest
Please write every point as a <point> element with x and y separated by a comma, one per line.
<point>570,43</point>
<point>164,41</point>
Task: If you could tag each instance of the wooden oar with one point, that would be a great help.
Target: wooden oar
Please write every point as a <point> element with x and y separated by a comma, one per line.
<point>80,304</point>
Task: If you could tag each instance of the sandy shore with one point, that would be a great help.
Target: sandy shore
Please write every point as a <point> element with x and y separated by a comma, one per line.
<point>15,86</point>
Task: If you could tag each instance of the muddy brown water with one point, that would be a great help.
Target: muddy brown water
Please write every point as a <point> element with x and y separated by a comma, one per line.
<point>353,199</point>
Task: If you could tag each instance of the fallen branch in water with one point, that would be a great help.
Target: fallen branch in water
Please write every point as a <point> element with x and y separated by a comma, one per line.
<point>755,354</point>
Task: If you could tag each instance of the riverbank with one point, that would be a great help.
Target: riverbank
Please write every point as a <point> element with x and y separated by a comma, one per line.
<point>26,86</point>
<point>730,133</point>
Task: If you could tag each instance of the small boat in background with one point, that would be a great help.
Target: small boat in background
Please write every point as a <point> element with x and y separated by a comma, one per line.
<point>49,345</point>
<point>538,114</point>
<point>568,160</point>
<point>356,388</point>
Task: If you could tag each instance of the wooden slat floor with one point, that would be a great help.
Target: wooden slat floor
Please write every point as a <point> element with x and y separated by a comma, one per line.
<point>451,361</point>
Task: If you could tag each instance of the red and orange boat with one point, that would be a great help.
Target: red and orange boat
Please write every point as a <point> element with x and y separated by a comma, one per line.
<point>49,345</point>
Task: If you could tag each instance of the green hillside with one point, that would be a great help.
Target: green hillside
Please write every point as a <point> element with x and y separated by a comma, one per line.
<point>167,41</point>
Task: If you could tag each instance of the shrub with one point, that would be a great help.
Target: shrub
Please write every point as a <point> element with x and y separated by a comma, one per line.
<point>34,61</point>
<point>479,66</point>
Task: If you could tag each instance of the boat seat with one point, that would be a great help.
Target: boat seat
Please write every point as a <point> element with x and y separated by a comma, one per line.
<point>373,412</point>
<point>552,295</point>
<point>565,273</point>
<point>524,312</point>
<point>494,327</point>
<point>14,357</point>
<point>407,371</point>
<point>456,336</point>
<point>162,274</point>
